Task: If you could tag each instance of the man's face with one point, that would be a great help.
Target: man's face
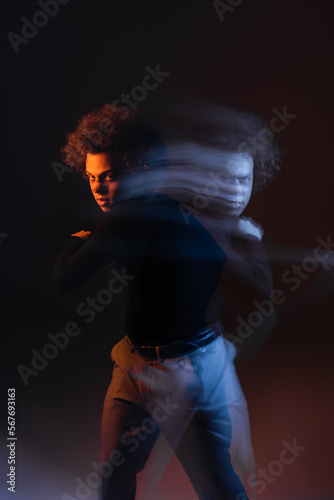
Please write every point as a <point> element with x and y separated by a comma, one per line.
<point>209,178</point>
<point>236,182</point>
<point>99,171</point>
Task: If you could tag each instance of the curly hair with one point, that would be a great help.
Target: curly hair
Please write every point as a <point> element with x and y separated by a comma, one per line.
<point>134,143</point>
<point>223,127</point>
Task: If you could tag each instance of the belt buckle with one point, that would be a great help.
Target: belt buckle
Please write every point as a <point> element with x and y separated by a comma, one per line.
<point>157,352</point>
<point>154,348</point>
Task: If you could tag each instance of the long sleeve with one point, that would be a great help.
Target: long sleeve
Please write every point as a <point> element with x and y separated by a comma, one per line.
<point>247,270</point>
<point>246,282</point>
<point>80,259</point>
<point>259,318</point>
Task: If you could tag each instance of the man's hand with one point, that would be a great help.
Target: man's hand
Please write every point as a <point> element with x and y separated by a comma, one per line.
<point>246,225</point>
<point>85,235</point>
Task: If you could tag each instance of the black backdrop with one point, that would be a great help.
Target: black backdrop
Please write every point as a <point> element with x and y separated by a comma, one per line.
<point>262,55</point>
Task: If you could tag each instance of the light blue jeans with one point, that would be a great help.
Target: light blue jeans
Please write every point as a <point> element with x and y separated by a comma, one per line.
<point>184,398</point>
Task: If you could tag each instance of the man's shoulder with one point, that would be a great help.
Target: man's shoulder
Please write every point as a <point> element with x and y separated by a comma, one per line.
<point>154,204</point>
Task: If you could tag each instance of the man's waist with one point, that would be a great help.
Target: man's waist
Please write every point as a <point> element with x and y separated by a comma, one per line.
<point>172,349</point>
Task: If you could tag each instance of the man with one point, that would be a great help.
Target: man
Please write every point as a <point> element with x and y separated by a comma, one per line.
<point>215,181</point>
<point>170,370</point>
<point>214,174</point>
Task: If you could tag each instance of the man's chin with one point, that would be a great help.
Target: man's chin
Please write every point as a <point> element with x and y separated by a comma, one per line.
<point>106,208</point>
<point>235,212</point>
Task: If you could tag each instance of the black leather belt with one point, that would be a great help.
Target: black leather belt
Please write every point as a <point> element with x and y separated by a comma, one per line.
<point>177,347</point>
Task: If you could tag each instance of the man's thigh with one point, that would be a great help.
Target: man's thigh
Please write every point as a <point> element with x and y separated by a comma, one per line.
<point>190,400</point>
<point>128,434</point>
<point>204,450</point>
<point>126,427</point>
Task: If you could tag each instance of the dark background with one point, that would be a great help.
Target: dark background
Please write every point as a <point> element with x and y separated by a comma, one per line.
<point>264,55</point>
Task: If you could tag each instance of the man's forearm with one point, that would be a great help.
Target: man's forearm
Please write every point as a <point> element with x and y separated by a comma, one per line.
<point>61,275</point>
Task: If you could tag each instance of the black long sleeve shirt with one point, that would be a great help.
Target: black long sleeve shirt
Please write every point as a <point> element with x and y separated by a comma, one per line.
<point>175,262</point>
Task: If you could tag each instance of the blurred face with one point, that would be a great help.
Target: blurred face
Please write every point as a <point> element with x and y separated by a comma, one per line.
<point>236,182</point>
<point>209,178</point>
<point>99,171</point>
